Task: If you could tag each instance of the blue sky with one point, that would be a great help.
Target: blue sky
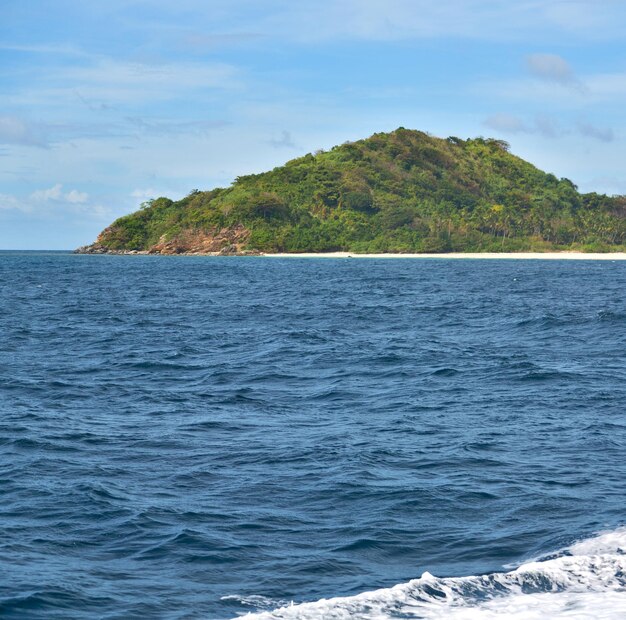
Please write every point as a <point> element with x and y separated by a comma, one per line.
<point>104,105</point>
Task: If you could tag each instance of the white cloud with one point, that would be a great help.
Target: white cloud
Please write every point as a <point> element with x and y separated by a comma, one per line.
<point>588,17</point>
<point>105,85</point>
<point>76,197</point>
<point>221,22</point>
<point>411,19</point>
<point>111,81</point>
<point>8,202</point>
<point>16,131</point>
<point>53,203</point>
<point>55,194</point>
<point>144,194</point>
<point>45,195</point>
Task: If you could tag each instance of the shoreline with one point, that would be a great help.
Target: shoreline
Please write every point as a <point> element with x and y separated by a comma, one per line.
<point>469,255</point>
<point>563,255</point>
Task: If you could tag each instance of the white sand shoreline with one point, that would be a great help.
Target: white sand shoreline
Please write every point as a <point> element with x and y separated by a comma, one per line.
<point>466,255</point>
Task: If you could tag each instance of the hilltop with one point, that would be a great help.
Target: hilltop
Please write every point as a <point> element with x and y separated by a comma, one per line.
<point>403,191</point>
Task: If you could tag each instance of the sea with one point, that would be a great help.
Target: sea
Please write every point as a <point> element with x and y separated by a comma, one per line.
<point>311,438</point>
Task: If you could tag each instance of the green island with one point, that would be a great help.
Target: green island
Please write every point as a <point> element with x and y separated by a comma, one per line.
<point>399,192</point>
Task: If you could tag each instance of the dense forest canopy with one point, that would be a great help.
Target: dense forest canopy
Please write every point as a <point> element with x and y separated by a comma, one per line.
<point>404,191</point>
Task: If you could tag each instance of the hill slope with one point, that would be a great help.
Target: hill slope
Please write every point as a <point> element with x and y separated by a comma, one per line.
<point>404,191</point>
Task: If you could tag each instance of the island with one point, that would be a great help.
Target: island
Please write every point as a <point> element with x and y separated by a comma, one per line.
<point>402,192</point>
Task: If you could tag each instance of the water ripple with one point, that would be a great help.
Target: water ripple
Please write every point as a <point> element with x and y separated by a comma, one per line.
<point>200,438</point>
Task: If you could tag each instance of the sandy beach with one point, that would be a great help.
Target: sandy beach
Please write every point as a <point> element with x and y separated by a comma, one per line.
<point>471,255</point>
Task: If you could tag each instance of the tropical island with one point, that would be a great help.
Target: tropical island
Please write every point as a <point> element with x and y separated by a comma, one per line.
<point>399,192</point>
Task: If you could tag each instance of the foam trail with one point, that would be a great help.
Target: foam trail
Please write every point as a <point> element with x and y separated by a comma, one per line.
<point>586,580</point>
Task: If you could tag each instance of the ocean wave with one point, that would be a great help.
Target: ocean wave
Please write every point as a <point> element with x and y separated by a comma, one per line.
<point>585,580</point>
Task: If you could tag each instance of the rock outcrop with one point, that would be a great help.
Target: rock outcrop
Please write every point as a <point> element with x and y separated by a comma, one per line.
<point>228,241</point>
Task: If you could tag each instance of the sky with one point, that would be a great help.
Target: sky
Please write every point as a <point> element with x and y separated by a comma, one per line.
<point>104,105</point>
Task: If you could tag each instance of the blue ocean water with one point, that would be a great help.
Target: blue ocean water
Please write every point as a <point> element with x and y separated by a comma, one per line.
<point>193,437</point>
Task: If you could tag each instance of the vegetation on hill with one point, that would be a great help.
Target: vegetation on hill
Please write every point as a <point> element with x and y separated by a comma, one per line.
<point>404,191</point>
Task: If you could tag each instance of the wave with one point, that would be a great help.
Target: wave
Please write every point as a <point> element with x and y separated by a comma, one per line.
<point>584,580</point>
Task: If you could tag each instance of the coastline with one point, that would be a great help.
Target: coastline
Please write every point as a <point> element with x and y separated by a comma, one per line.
<point>564,255</point>
<point>470,255</point>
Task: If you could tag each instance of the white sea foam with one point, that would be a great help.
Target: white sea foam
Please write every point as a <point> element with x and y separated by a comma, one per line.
<point>584,581</point>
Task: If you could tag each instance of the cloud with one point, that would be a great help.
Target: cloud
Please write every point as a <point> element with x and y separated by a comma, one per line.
<point>54,203</point>
<point>142,195</point>
<point>593,89</point>
<point>44,195</point>
<point>55,194</point>
<point>94,106</point>
<point>607,86</point>
<point>16,131</point>
<point>550,67</point>
<point>546,126</point>
<point>285,141</point>
<point>110,81</point>
<point>599,133</point>
<point>542,124</point>
<point>192,23</point>
<point>589,18</point>
<point>104,83</point>
<point>64,50</point>
<point>385,20</point>
<point>8,202</point>
<point>160,127</point>
<point>506,123</point>
<point>555,69</point>
<point>76,197</point>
